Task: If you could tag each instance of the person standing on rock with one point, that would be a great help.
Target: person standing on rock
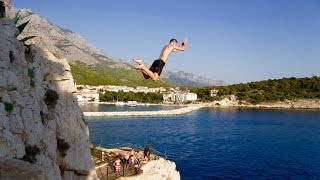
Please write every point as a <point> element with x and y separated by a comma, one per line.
<point>157,66</point>
<point>147,152</point>
<point>3,6</point>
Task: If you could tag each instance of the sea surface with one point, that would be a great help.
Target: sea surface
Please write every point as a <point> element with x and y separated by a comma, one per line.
<point>94,107</point>
<point>224,143</point>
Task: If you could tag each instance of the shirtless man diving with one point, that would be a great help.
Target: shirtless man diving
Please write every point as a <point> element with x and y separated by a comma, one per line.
<point>157,66</point>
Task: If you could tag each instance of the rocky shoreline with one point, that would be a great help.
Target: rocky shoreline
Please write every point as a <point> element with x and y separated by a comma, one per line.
<point>287,104</point>
<point>225,103</point>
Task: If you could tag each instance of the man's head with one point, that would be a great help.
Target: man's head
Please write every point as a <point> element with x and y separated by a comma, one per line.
<point>173,41</point>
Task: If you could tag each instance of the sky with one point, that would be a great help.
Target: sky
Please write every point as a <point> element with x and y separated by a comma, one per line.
<point>233,40</point>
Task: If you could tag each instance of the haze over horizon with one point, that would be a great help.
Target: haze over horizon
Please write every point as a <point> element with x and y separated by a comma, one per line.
<point>229,40</point>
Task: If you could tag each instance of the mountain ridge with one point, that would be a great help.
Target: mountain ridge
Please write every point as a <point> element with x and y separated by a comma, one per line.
<point>65,43</point>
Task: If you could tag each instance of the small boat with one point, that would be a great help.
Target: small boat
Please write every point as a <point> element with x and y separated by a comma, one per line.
<point>132,103</point>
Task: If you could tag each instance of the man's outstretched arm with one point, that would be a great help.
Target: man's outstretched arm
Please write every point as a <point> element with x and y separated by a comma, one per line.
<point>7,4</point>
<point>182,47</point>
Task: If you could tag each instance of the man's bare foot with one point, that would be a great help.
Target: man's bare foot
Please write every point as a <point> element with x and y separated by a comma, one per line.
<point>138,61</point>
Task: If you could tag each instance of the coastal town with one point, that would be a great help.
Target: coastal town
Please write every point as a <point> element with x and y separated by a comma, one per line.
<point>177,95</point>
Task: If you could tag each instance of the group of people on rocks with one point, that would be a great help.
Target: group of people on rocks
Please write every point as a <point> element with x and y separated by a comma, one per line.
<point>132,160</point>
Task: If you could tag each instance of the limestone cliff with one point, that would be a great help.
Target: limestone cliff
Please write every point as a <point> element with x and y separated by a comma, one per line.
<point>42,131</point>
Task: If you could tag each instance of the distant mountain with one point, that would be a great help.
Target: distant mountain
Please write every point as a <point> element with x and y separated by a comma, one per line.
<point>64,43</point>
<point>188,79</point>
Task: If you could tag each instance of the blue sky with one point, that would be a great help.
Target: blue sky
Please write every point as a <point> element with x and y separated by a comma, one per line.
<point>232,40</point>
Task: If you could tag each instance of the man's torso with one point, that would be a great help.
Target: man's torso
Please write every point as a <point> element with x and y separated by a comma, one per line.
<point>165,52</point>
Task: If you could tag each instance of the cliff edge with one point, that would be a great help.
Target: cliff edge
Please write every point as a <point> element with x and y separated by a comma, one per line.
<point>157,170</point>
<point>42,131</point>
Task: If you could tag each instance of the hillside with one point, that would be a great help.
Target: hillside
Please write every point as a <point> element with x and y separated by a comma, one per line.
<point>104,75</point>
<point>66,44</point>
<point>267,91</point>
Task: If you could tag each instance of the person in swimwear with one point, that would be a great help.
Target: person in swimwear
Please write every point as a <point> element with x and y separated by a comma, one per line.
<point>156,68</point>
<point>117,165</point>
<point>3,6</point>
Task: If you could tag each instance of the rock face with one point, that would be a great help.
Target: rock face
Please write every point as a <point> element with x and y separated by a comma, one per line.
<point>160,169</point>
<point>291,104</point>
<point>39,139</point>
<point>61,42</point>
<point>231,101</point>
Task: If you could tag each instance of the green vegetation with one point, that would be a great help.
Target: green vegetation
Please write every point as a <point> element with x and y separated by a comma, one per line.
<point>131,96</point>
<point>31,152</point>
<point>204,94</point>
<point>102,74</point>
<point>51,98</point>
<point>266,91</point>
<point>8,106</point>
<point>62,147</point>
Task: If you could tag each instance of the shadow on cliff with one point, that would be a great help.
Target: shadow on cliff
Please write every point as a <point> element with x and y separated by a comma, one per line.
<point>72,133</point>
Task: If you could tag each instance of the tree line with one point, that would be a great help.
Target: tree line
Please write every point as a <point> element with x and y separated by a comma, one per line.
<point>266,91</point>
<point>109,96</point>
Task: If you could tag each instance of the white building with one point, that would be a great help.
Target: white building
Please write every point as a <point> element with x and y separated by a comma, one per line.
<point>142,89</point>
<point>87,96</point>
<point>169,97</point>
<point>179,97</point>
<point>191,97</point>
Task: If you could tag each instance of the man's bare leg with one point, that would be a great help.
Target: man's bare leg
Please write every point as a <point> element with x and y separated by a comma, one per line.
<point>140,62</point>
<point>153,76</point>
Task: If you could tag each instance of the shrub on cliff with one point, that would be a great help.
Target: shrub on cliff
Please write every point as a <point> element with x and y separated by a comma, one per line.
<point>31,152</point>
<point>62,147</point>
<point>8,106</point>
<point>51,98</point>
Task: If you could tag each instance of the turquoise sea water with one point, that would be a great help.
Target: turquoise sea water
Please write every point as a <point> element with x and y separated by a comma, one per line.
<point>224,144</point>
<point>92,107</point>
